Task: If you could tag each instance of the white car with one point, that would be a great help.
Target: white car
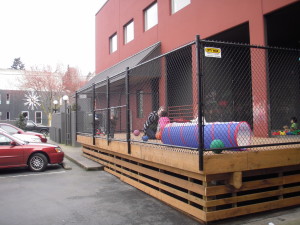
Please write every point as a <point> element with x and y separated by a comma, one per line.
<point>26,138</point>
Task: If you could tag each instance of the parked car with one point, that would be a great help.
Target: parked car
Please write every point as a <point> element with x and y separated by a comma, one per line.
<point>32,126</point>
<point>17,153</point>
<point>11,129</point>
<point>25,137</point>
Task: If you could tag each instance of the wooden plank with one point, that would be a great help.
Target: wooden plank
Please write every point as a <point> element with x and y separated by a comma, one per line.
<point>253,185</point>
<point>172,158</point>
<point>266,171</point>
<point>243,198</point>
<point>274,158</point>
<point>225,163</point>
<point>245,210</point>
<point>164,177</point>
<point>182,172</point>
<point>160,185</point>
<point>217,177</point>
<point>291,190</point>
<point>163,197</point>
<point>84,139</point>
<point>291,179</point>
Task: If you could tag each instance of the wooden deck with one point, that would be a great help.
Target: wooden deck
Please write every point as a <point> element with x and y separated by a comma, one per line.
<point>232,183</point>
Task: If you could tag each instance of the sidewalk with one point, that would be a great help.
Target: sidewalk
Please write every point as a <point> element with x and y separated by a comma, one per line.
<point>75,155</point>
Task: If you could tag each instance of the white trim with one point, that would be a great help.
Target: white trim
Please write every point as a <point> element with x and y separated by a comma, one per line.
<point>177,5</point>
<point>151,16</point>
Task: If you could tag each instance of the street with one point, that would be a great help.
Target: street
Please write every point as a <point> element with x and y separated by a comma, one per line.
<point>58,196</point>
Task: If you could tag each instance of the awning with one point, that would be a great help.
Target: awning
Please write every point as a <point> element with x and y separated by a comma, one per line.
<point>138,58</point>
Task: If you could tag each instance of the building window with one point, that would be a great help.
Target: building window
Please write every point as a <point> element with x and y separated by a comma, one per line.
<point>128,32</point>
<point>179,4</point>
<point>7,99</point>
<point>38,117</point>
<point>0,115</point>
<point>140,104</point>
<point>25,114</point>
<point>0,98</point>
<point>7,116</point>
<point>113,43</point>
<point>151,16</point>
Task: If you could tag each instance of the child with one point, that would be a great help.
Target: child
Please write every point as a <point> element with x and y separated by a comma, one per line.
<point>294,125</point>
<point>163,121</point>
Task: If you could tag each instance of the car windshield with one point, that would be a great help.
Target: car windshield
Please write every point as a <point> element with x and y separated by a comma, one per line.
<point>30,123</point>
<point>10,129</point>
<point>21,142</point>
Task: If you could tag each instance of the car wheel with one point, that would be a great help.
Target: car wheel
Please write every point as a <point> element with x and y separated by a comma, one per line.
<point>44,132</point>
<point>38,162</point>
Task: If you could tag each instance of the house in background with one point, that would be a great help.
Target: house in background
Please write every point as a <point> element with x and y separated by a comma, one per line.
<point>14,101</point>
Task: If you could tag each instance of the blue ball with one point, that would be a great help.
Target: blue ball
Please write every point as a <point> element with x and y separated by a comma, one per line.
<point>145,138</point>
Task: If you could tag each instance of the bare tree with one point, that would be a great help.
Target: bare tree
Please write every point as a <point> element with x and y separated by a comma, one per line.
<point>73,80</point>
<point>47,83</point>
<point>51,84</point>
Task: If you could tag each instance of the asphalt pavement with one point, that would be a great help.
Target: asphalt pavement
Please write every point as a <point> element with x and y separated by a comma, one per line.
<point>81,193</point>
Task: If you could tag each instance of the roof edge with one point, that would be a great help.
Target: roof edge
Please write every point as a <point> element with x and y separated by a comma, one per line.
<point>145,49</point>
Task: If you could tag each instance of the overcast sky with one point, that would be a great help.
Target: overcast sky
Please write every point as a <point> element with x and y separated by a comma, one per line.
<point>47,32</point>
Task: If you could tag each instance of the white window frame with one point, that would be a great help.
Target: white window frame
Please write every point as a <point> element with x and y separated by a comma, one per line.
<point>7,115</point>
<point>128,37</point>
<point>177,5</point>
<point>149,20</point>
<point>26,112</point>
<point>36,117</point>
<point>113,43</point>
<point>7,99</point>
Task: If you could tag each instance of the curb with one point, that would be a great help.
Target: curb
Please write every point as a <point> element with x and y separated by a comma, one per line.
<point>87,168</point>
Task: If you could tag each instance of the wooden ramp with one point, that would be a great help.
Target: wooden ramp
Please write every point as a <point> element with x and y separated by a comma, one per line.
<point>231,184</point>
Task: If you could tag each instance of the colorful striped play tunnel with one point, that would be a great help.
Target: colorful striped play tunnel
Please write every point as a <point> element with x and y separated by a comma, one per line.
<point>232,134</point>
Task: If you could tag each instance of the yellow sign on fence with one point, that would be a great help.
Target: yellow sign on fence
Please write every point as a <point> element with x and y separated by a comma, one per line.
<point>212,52</point>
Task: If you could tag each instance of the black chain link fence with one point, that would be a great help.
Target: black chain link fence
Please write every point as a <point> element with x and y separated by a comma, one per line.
<point>247,97</point>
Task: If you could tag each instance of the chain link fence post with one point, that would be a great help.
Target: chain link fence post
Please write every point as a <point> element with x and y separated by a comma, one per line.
<point>127,110</point>
<point>94,114</point>
<point>107,110</point>
<point>199,60</point>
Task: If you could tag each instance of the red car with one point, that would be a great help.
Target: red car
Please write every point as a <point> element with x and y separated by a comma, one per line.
<point>16,153</point>
<point>11,129</point>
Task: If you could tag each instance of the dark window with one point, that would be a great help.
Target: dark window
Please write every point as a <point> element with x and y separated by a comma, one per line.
<point>7,99</point>
<point>38,117</point>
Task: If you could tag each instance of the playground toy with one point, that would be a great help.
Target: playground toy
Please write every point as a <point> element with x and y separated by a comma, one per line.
<point>232,134</point>
<point>136,132</point>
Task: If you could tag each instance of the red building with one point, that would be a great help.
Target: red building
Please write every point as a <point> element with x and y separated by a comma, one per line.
<point>133,31</point>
